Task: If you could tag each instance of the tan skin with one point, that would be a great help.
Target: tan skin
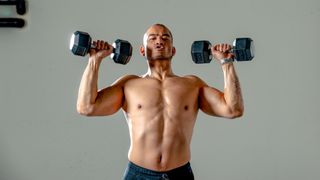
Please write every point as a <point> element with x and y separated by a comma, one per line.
<point>160,107</point>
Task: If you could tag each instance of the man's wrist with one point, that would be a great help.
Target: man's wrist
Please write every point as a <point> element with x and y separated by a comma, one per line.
<point>226,61</point>
<point>94,62</point>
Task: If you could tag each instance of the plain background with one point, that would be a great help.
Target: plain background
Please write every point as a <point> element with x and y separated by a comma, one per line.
<point>43,137</point>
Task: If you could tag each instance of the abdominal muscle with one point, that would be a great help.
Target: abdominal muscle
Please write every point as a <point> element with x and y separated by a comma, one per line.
<point>160,140</point>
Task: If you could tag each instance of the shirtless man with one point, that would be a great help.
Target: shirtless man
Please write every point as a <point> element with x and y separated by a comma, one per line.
<point>160,107</point>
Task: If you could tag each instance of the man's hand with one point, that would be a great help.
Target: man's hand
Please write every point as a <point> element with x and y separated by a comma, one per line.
<point>102,50</point>
<point>222,51</point>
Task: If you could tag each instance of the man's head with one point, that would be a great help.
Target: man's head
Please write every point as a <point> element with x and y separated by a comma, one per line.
<point>158,43</point>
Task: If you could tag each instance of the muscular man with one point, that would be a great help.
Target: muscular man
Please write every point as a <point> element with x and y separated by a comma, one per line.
<point>160,107</point>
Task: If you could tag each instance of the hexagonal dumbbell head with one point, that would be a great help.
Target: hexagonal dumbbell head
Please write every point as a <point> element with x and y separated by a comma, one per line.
<point>200,52</point>
<point>80,43</point>
<point>243,49</point>
<point>122,51</point>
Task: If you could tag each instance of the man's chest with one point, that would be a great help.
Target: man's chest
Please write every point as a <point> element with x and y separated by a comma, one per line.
<point>167,93</point>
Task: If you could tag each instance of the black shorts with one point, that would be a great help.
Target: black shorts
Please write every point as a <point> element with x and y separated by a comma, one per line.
<point>135,172</point>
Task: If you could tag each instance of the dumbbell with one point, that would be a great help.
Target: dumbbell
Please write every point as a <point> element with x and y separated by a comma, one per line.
<point>243,50</point>
<point>80,44</point>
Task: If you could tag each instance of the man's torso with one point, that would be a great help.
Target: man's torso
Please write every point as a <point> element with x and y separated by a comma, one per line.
<point>161,116</point>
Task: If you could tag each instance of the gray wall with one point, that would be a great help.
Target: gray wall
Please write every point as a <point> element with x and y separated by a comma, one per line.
<point>43,137</point>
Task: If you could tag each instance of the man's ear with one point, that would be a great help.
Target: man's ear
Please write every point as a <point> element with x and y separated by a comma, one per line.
<point>142,51</point>
<point>173,51</point>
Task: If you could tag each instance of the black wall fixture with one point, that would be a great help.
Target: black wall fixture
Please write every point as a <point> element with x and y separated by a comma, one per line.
<point>10,21</point>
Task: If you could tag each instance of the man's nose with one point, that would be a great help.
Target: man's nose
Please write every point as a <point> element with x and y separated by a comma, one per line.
<point>159,41</point>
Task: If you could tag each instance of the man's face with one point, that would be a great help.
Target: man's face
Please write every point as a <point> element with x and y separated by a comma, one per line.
<point>157,44</point>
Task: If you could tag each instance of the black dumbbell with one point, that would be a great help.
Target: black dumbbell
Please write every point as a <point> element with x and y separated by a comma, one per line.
<point>243,50</point>
<point>20,5</point>
<point>80,44</point>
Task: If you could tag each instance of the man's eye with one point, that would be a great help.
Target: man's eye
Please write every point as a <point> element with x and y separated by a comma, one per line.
<point>165,38</point>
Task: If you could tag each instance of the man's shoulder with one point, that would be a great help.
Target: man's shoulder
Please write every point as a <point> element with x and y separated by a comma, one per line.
<point>192,77</point>
<point>130,76</point>
<point>195,79</point>
<point>125,78</point>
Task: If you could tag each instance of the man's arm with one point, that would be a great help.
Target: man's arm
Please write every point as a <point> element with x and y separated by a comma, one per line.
<point>229,103</point>
<point>108,100</point>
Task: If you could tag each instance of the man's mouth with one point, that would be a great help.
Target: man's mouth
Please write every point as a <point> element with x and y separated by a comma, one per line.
<point>159,47</point>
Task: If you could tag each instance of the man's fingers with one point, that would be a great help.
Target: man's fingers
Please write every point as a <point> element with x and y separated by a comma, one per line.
<point>216,47</point>
<point>225,47</point>
<point>101,45</point>
<point>228,47</point>
<point>97,44</point>
<point>222,47</point>
<point>106,45</point>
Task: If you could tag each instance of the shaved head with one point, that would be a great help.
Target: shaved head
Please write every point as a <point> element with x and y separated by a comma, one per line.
<point>158,36</point>
<point>146,34</point>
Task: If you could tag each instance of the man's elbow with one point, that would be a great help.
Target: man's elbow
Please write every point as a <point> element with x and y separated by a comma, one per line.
<point>236,113</point>
<point>85,111</point>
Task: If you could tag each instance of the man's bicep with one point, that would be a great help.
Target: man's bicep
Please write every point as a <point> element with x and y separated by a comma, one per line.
<point>109,100</point>
<point>212,102</point>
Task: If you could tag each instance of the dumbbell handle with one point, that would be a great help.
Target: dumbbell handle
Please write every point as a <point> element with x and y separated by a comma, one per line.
<point>229,51</point>
<point>233,49</point>
<point>92,46</point>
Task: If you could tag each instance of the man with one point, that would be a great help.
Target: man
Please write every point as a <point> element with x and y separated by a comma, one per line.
<point>160,107</point>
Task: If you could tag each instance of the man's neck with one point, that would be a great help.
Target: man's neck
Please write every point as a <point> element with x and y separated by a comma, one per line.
<point>159,69</point>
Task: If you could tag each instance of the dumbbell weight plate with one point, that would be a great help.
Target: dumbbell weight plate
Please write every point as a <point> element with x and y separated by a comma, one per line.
<point>80,44</point>
<point>122,51</point>
<point>252,49</point>
<point>200,52</point>
<point>72,41</point>
<point>243,49</point>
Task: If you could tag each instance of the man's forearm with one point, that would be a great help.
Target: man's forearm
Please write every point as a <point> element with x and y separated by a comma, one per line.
<point>88,90</point>
<point>232,90</point>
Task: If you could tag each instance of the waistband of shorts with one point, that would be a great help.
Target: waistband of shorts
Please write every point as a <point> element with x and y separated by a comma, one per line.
<point>137,168</point>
